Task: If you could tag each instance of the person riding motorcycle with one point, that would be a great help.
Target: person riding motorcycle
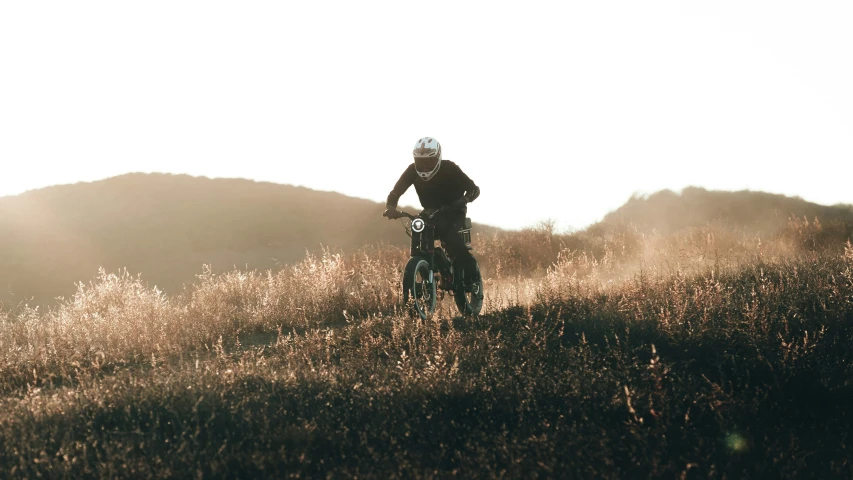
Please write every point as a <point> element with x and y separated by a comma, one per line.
<point>438,183</point>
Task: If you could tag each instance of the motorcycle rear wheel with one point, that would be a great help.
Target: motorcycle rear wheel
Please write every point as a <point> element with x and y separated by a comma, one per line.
<point>468,292</point>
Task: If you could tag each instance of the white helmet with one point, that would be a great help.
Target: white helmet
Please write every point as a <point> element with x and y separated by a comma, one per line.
<point>427,154</point>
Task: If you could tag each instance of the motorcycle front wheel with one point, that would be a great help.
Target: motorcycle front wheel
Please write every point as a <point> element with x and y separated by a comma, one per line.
<point>419,292</point>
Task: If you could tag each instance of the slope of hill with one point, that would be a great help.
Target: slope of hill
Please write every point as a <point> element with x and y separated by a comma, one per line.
<point>167,226</point>
<point>692,366</point>
<point>667,211</point>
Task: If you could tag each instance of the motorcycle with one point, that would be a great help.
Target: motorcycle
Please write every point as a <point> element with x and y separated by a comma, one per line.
<point>431,271</point>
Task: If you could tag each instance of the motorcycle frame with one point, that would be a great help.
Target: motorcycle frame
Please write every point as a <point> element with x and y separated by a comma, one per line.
<point>423,246</point>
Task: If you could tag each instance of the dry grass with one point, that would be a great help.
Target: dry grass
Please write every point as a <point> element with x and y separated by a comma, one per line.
<point>603,354</point>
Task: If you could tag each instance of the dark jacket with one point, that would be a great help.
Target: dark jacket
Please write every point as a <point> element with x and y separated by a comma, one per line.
<point>448,185</point>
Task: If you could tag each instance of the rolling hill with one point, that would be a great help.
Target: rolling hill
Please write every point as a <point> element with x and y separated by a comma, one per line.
<point>167,226</point>
<point>667,211</point>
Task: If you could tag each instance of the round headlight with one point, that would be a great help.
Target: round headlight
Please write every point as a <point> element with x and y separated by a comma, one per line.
<point>418,225</point>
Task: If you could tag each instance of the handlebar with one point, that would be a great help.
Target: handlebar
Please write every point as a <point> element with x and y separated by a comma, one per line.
<point>458,203</point>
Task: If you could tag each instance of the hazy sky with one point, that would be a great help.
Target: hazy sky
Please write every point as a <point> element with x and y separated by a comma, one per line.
<point>557,110</point>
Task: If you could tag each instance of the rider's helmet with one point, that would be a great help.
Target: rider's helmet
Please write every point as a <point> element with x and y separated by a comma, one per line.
<point>427,153</point>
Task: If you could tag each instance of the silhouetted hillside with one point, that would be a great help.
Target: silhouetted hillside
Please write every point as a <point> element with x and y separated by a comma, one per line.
<point>167,226</point>
<point>667,211</point>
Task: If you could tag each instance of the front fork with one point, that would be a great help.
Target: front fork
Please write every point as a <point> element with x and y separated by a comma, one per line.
<point>438,262</point>
<point>441,263</point>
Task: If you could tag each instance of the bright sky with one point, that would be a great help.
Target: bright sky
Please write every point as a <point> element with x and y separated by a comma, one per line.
<point>557,110</point>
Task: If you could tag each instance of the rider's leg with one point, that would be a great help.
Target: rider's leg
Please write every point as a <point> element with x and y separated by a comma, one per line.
<point>447,229</point>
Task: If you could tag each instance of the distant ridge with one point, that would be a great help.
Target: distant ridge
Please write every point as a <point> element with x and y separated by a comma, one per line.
<point>167,226</point>
<point>668,211</point>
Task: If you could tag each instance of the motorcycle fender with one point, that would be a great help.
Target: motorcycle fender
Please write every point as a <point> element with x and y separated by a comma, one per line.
<point>410,269</point>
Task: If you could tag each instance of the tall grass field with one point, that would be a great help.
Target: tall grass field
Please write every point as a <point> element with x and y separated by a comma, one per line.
<point>708,352</point>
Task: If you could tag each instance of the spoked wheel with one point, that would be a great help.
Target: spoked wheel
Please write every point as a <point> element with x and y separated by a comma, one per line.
<point>419,291</point>
<point>468,292</point>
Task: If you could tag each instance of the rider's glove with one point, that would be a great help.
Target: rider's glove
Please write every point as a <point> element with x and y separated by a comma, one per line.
<point>391,213</point>
<point>473,194</point>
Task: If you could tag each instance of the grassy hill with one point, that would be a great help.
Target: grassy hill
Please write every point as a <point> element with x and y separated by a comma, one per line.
<point>667,211</point>
<point>705,353</point>
<point>712,351</point>
<point>167,226</point>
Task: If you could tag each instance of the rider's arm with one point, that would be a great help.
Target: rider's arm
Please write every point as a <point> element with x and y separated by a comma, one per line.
<point>472,191</point>
<point>406,180</point>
